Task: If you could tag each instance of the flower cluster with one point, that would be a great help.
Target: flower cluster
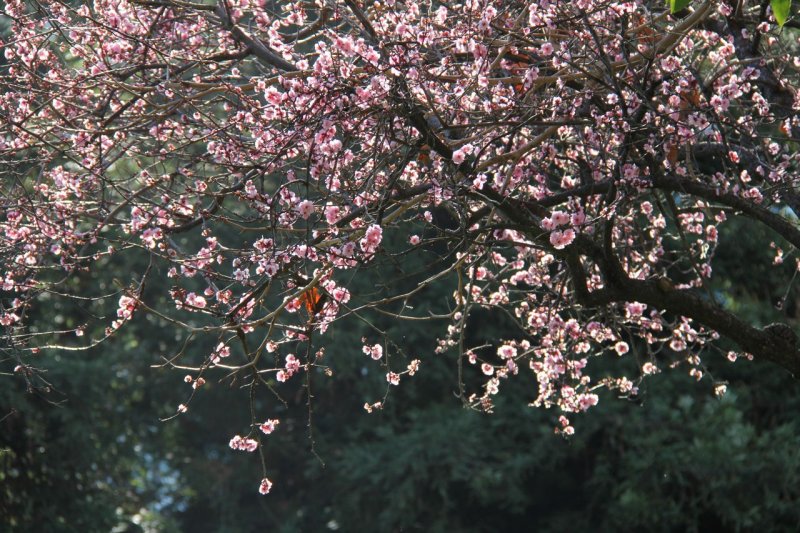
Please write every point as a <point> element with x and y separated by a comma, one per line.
<point>243,443</point>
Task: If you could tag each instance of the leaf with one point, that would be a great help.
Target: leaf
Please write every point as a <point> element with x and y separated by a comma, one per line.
<point>677,5</point>
<point>313,301</point>
<point>781,8</point>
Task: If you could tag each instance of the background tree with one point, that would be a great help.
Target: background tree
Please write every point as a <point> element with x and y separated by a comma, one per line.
<point>563,169</point>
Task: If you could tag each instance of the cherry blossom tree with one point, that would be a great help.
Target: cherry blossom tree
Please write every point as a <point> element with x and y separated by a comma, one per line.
<point>572,165</point>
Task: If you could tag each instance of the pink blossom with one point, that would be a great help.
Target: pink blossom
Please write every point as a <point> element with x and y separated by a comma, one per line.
<point>194,300</point>
<point>559,218</point>
<point>649,368</point>
<point>562,239</point>
<point>375,351</point>
<point>265,486</point>
<point>305,209</point>
<point>441,15</point>
<point>7,319</point>
<point>585,401</point>
<point>372,238</point>
<point>268,426</point>
<point>374,234</point>
<point>127,305</point>
<point>292,363</point>
<point>243,443</point>
<point>634,309</point>
<point>332,214</point>
<point>263,245</point>
<point>507,352</point>
<point>677,344</point>
<point>339,294</point>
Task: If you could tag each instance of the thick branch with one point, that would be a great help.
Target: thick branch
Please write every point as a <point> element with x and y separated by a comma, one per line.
<point>783,227</point>
<point>259,49</point>
<point>776,343</point>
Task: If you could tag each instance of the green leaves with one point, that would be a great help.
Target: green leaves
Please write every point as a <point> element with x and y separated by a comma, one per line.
<point>677,5</point>
<point>781,9</point>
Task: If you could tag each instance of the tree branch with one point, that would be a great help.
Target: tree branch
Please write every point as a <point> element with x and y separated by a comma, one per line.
<point>259,49</point>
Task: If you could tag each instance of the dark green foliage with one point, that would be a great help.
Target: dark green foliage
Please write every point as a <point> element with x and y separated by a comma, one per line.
<point>681,461</point>
<point>86,456</point>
